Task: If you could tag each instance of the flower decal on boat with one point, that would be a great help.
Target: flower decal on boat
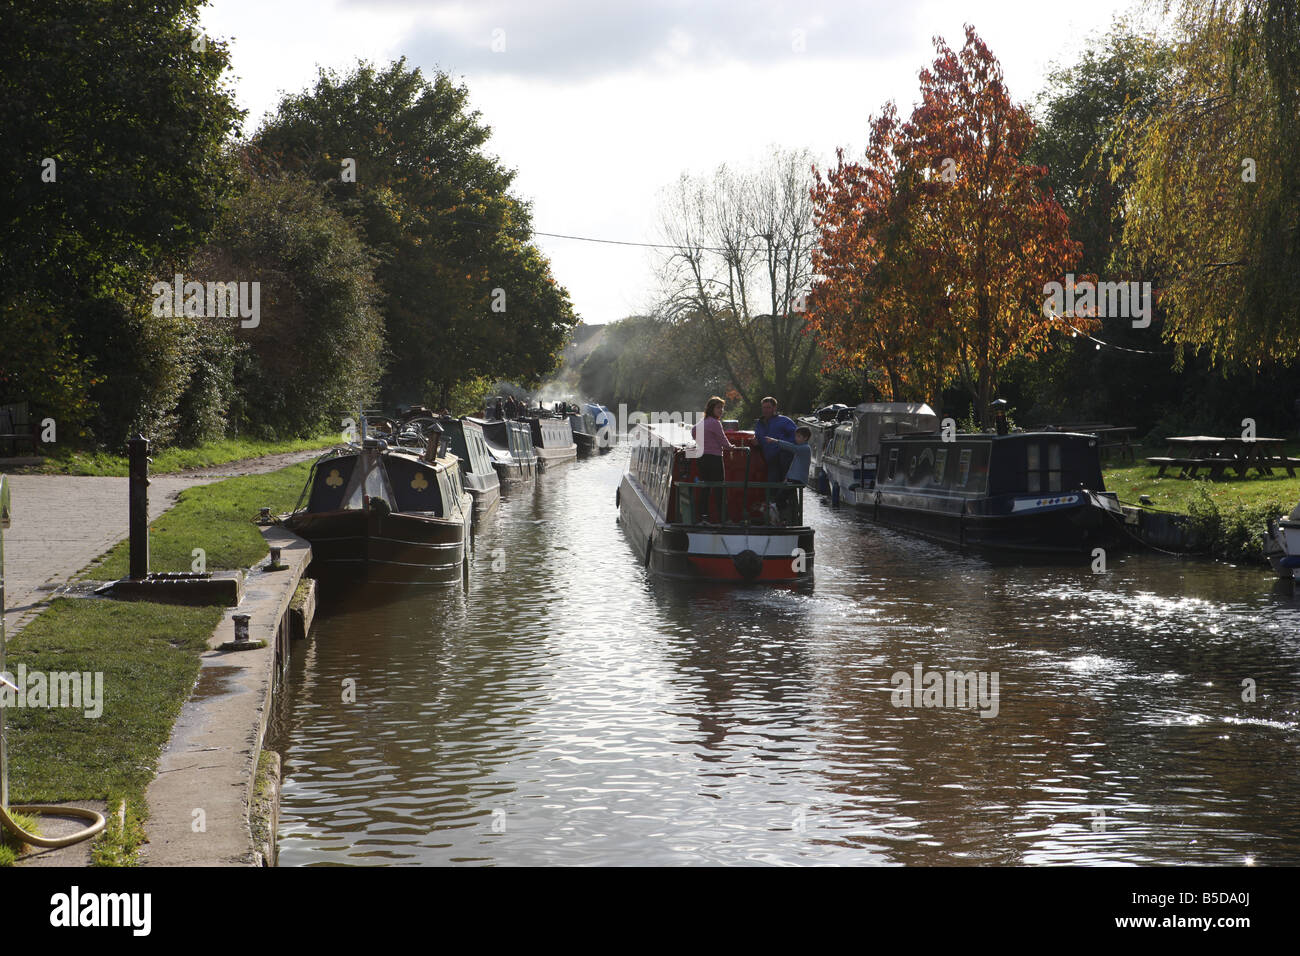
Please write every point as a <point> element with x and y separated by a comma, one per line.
<point>419,483</point>
<point>334,479</point>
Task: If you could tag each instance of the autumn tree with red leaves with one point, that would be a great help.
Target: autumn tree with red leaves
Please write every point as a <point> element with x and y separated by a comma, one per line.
<point>935,249</point>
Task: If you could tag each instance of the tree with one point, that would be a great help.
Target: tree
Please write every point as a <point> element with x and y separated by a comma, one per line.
<point>465,293</point>
<point>953,231</point>
<point>863,306</point>
<point>741,261</point>
<point>1215,199</point>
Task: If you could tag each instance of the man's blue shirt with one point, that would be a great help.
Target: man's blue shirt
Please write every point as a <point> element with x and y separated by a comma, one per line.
<point>780,428</point>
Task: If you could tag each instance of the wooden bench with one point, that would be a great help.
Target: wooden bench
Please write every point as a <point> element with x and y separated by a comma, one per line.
<point>1189,466</point>
<point>15,427</point>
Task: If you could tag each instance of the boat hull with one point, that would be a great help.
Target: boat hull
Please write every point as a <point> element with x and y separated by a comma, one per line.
<point>385,547</point>
<point>1062,524</point>
<point>733,554</point>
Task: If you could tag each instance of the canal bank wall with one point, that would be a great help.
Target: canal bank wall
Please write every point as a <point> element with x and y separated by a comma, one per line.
<point>215,796</point>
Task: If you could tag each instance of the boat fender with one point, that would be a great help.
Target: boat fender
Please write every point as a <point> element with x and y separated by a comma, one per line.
<point>835,493</point>
<point>749,564</point>
<point>618,496</point>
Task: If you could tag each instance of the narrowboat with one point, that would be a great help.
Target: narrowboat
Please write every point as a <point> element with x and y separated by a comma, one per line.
<point>848,459</point>
<point>606,426</point>
<point>583,426</point>
<point>510,445</point>
<point>552,440</point>
<point>761,539</point>
<point>466,441</point>
<point>1027,492</point>
<point>377,513</point>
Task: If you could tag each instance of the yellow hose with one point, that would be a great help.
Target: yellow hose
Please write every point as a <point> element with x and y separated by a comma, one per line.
<point>97,824</point>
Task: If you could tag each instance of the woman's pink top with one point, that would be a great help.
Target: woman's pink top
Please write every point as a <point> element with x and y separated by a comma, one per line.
<point>714,438</point>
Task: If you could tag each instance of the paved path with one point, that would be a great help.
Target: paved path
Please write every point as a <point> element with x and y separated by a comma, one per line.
<point>61,523</point>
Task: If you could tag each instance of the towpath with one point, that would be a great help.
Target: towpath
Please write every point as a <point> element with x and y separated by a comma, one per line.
<point>62,522</point>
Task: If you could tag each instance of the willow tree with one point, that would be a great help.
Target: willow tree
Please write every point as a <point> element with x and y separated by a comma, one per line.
<point>1215,200</point>
<point>741,262</point>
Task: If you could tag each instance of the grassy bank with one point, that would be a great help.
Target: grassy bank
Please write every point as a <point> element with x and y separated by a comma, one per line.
<point>148,654</point>
<point>216,518</point>
<point>1228,514</point>
<point>171,460</point>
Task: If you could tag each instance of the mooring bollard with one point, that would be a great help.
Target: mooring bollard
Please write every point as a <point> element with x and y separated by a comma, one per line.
<point>241,628</point>
<point>137,450</point>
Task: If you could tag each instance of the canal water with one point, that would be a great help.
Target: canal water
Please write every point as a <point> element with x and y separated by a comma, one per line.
<point>567,709</point>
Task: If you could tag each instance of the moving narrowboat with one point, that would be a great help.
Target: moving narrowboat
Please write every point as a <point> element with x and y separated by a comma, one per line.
<point>848,459</point>
<point>1038,492</point>
<point>510,444</point>
<point>377,513</point>
<point>762,537</point>
<point>465,440</point>
<point>552,440</point>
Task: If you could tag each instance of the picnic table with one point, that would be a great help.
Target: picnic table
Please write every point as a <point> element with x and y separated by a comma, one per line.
<point>1194,452</point>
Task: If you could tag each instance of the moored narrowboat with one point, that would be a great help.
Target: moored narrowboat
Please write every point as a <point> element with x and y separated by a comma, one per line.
<point>583,426</point>
<point>848,459</point>
<point>606,426</point>
<point>510,445</point>
<point>1039,492</point>
<point>465,440</point>
<point>552,440</point>
<point>376,513</point>
<point>762,537</point>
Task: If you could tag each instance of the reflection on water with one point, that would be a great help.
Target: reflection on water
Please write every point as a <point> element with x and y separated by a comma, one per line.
<point>568,709</point>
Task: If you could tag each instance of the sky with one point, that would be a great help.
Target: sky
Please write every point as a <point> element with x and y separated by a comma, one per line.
<point>599,105</point>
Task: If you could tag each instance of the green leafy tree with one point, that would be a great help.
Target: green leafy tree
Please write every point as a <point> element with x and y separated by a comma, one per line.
<point>465,293</point>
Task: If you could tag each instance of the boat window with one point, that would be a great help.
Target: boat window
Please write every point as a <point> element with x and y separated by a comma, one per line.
<point>963,468</point>
<point>1033,480</point>
<point>940,465</point>
<point>1054,466</point>
<point>893,463</point>
<point>374,484</point>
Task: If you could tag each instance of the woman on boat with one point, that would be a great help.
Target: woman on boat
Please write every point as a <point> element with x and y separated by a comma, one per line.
<point>712,440</point>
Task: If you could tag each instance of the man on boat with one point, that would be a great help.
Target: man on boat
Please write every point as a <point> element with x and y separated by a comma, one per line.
<point>772,425</point>
<point>800,453</point>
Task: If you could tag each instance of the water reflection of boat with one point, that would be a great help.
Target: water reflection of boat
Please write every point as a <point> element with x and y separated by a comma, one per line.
<point>755,542</point>
<point>1023,492</point>
<point>510,443</point>
<point>385,514</point>
<point>1282,545</point>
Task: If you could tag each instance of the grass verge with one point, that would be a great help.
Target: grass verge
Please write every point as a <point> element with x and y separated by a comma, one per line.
<point>217,518</point>
<point>1228,514</point>
<point>171,460</point>
<point>149,657</point>
<point>11,848</point>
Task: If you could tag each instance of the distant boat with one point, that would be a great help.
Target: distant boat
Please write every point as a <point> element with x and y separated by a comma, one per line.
<point>606,426</point>
<point>465,439</point>
<point>1039,492</point>
<point>552,439</point>
<point>822,425</point>
<point>848,457</point>
<point>583,426</point>
<point>379,513</point>
<point>656,502</point>
<point>510,444</point>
